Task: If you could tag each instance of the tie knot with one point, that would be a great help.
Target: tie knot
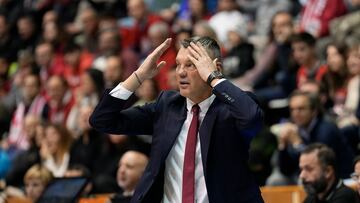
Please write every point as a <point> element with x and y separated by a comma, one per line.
<point>195,109</point>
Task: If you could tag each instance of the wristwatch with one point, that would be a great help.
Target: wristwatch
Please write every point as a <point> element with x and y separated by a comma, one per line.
<point>214,75</point>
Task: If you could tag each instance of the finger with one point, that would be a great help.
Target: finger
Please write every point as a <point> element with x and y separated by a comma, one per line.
<point>215,61</point>
<point>202,49</point>
<point>192,59</point>
<point>162,48</point>
<point>196,47</point>
<point>161,64</point>
<point>194,53</point>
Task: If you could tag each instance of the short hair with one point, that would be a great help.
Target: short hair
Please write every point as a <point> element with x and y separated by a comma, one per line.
<point>38,172</point>
<point>356,160</point>
<point>211,46</point>
<point>313,98</point>
<point>305,38</point>
<point>325,154</point>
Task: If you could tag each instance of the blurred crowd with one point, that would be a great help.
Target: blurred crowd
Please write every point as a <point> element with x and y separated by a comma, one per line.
<point>300,57</point>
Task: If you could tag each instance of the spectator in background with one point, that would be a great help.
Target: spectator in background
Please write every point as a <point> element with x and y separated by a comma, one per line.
<point>194,12</point>
<point>318,174</point>
<point>87,145</point>
<point>147,92</point>
<point>26,158</point>
<point>36,179</point>
<point>27,33</point>
<point>33,103</point>
<point>356,174</point>
<point>180,35</point>
<point>89,92</point>
<point>76,61</point>
<point>303,45</point>
<point>108,43</point>
<point>89,30</point>
<point>336,77</point>
<point>113,71</point>
<point>47,61</point>
<point>346,29</point>
<point>353,86</point>
<point>203,29</point>
<point>55,149</point>
<point>136,35</point>
<point>159,32</point>
<point>317,14</point>
<point>274,74</point>
<point>53,33</point>
<point>350,122</point>
<point>307,126</point>
<point>224,19</point>
<point>239,54</point>
<point>7,41</point>
<point>60,99</point>
<point>131,167</point>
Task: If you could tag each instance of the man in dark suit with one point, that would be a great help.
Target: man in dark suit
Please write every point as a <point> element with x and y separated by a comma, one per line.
<point>201,134</point>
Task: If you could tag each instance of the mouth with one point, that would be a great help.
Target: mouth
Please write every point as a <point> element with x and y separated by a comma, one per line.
<point>183,84</point>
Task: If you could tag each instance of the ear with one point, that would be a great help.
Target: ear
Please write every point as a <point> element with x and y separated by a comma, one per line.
<point>329,172</point>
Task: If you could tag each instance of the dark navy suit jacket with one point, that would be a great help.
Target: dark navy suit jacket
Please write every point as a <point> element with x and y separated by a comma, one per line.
<point>225,133</point>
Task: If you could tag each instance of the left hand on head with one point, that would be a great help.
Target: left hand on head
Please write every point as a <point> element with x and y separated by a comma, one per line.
<point>201,59</point>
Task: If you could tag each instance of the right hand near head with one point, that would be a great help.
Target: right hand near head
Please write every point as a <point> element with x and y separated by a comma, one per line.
<point>150,68</point>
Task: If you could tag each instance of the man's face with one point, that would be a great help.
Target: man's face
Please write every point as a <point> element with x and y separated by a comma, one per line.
<point>282,27</point>
<point>131,167</point>
<point>301,111</point>
<point>312,174</point>
<point>136,9</point>
<point>113,69</point>
<point>30,88</point>
<point>302,52</point>
<point>43,54</point>
<point>56,89</point>
<point>188,79</point>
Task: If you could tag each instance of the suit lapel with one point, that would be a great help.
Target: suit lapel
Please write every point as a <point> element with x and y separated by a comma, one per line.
<point>206,131</point>
<point>175,120</point>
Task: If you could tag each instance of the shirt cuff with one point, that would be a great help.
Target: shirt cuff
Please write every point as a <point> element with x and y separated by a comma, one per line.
<point>219,81</point>
<point>120,92</point>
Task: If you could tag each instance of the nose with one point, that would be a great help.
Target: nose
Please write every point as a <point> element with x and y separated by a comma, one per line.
<point>181,71</point>
<point>302,175</point>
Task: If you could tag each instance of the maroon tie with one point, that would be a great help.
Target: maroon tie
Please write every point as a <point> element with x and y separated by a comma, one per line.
<point>188,188</point>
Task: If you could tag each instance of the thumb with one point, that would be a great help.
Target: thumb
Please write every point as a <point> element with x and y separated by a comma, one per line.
<point>161,64</point>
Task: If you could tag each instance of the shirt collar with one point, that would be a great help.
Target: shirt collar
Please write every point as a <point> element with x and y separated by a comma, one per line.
<point>204,105</point>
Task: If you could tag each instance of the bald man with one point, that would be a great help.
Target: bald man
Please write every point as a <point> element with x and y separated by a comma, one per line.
<point>131,167</point>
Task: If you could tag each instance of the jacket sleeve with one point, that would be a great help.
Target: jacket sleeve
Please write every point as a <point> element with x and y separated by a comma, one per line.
<point>110,117</point>
<point>243,106</point>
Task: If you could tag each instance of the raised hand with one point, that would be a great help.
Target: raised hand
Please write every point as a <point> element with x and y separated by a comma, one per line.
<point>201,59</point>
<point>150,68</point>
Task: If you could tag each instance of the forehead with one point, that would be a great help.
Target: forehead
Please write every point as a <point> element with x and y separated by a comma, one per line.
<point>299,100</point>
<point>357,167</point>
<point>182,55</point>
<point>309,159</point>
<point>299,44</point>
<point>282,18</point>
